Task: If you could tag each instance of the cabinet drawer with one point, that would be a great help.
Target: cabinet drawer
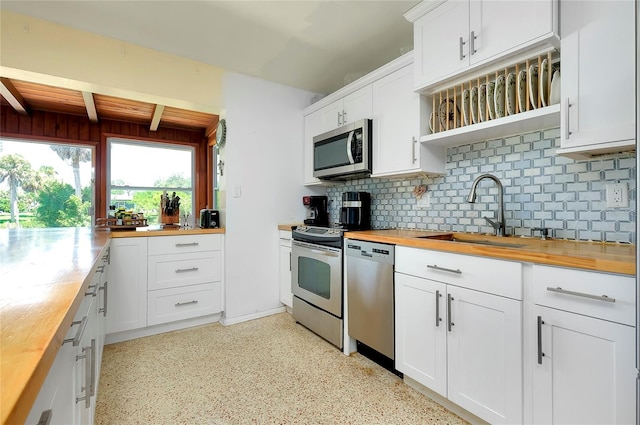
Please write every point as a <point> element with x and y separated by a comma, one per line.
<point>170,305</point>
<point>184,243</point>
<point>285,238</point>
<point>482,274</point>
<point>168,271</point>
<point>583,286</point>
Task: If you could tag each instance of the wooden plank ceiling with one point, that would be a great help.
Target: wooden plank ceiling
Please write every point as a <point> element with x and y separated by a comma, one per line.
<point>24,97</point>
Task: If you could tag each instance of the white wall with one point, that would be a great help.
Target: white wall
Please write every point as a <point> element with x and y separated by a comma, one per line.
<point>263,158</point>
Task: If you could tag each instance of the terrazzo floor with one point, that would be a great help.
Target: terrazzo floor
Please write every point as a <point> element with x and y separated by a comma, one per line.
<point>265,371</point>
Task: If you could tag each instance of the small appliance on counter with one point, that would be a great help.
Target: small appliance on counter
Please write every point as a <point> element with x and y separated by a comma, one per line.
<point>209,219</point>
<point>317,213</point>
<point>355,213</point>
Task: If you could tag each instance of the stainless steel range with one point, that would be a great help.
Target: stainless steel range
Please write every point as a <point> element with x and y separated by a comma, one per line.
<point>316,281</point>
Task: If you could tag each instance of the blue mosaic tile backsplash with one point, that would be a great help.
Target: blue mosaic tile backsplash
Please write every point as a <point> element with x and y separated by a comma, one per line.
<point>540,190</point>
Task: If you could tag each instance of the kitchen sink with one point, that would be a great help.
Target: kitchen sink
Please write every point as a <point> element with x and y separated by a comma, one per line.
<point>477,242</point>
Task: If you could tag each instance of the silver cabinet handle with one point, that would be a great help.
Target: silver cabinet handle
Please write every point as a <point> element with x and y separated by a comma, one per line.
<point>182,245</point>
<point>187,303</point>
<point>76,339</point>
<point>449,322</point>
<point>438,308</point>
<point>540,353</point>
<point>87,374</point>
<point>103,310</point>
<point>290,268</point>
<point>567,132</point>
<point>472,43</point>
<point>192,269</point>
<point>413,149</point>
<point>100,269</point>
<point>45,417</point>
<point>443,269</point>
<point>339,118</point>
<point>462,43</point>
<point>92,392</point>
<point>582,294</point>
<point>95,291</point>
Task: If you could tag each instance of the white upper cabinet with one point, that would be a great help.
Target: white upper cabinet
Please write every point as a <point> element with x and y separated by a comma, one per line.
<point>352,107</point>
<point>598,98</point>
<point>398,120</point>
<point>456,36</point>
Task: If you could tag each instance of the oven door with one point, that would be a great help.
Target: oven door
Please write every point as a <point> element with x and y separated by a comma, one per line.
<point>316,275</point>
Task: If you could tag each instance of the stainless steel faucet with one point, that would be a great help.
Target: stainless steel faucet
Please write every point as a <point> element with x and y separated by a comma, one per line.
<point>499,224</point>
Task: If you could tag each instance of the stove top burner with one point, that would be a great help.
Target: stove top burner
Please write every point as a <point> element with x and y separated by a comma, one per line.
<point>330,236</point>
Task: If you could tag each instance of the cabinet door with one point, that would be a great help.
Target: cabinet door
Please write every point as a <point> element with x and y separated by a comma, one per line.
<point>396,123</point>
<point>587,375</point>
<point>597,73</point>
<point>485,355</point>
<point>499,26</point>
<point>358,105</point>
<point>421,334</point>
<point>331,116</point>
<point>312,127</point>
<point>441,42</point>
<point>127,293</point>
<point>285,276</point>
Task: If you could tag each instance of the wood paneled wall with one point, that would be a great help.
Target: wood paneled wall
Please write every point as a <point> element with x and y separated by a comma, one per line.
<point>72,129</point>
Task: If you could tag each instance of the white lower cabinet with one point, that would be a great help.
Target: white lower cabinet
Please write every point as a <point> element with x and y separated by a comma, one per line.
<point>462,343</point>
<point>127,291</point>
<point>184,277</point>
<point>286,297</point>
<point>68,394</point>
<point>584,368</point>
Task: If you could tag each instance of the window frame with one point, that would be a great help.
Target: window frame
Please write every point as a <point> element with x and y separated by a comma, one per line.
<point>150,144</point>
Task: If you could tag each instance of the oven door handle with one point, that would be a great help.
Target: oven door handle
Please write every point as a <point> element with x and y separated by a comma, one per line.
<point>325,253</point>
<point>315,249</point>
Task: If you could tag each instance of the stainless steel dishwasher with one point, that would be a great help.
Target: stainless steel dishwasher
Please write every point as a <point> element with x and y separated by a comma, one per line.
<point>370,294</point>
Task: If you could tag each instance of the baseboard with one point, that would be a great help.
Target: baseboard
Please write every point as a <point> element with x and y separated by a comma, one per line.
<point>159,329</point>
<point>239,319</point>
<point>449,405</point>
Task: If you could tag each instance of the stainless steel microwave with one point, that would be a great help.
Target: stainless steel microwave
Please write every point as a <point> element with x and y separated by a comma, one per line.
<point>343,153</point>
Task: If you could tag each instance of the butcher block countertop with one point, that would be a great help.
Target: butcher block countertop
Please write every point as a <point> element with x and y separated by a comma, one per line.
<point>43,274</point>
<point>597,256</point>
<point>153,231</point>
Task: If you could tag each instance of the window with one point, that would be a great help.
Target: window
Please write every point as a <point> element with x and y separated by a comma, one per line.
<point>45,184</point>
<point>139,173</point>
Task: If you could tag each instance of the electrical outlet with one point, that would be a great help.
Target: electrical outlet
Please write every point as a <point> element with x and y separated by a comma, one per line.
<point>617,195</point>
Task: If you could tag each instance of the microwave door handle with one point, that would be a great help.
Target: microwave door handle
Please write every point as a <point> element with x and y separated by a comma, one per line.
<point>349,141</point>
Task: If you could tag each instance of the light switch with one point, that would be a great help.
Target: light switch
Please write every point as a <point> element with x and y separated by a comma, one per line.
<point>237,191</point>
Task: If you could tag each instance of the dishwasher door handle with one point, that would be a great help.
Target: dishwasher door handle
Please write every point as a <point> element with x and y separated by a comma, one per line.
<point>366,254</point>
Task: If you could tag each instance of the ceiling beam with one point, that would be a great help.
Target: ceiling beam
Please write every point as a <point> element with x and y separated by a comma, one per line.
<point>11,94</point>
<point>157,114</point>
<point>90,105</point>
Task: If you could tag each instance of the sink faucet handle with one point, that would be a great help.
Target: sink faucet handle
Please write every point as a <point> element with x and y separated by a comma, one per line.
<point>544,232</point>
<point>494,224</point>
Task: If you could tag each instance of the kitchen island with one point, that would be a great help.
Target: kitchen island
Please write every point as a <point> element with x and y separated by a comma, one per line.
<point>45,274</point>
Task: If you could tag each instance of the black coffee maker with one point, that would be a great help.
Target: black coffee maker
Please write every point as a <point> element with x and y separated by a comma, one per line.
<point>355,213</point>
<point>317,213</point>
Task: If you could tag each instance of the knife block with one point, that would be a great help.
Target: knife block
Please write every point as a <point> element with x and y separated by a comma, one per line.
<point>170,219</point>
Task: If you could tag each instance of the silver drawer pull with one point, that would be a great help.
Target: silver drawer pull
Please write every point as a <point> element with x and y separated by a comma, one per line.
<point>442,269</point>
<point>192,269</point>
<point>95,291</point>
<point>182,245</point>
<point>76,339</point>
<point>45,418</point>
<point>100,269</point>
<point>582,294</point>
<point>187,303</point>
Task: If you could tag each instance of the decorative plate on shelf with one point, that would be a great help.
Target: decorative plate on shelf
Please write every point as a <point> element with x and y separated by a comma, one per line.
<point>452,118</point>
<point>544,82</point>
<point>433,114</point>
<point>522,90</point>
<point>533,86</point>
<point>482,102</point>
<point>511,93</point>
<point>466,111</point>
<point>491,86</point>
<point>554,95</point>
<point>474,105</point>
<point>498,97</point>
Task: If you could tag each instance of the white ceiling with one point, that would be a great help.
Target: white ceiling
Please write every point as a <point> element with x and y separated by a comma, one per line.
<point>313,45</point>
